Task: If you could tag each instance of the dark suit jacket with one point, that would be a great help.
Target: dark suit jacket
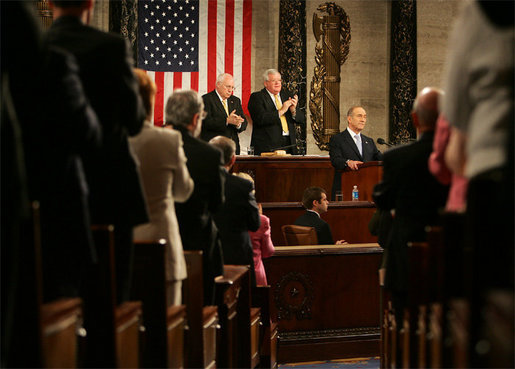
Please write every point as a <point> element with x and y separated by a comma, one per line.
<point>58,126</point>
<point>266,124</point>
<point>342,148</point>
<point>195,216</point>
<point>415,194</point>
<point>106,72</point>
<point>215,122</point>
<point>238,215</point>
<point>310,219</point>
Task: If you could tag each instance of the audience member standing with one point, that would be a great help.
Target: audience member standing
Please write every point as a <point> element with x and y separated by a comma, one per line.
<point>410,189</point>
<point>315,201</point>
<point>184,111</point>
<point>262,245</point>
<point>350,148</point>
<point>46,125</point>
<point>59,128</point>
<point>479,104</point>
<point>224,112</point>
<point>165,179</point>
<point>116,196</point>
<point>239,214</point>
<point>274,116</point>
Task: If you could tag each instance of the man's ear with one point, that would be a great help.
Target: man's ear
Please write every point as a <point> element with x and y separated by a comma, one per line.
<point>233,160</point>
<point>194,121</point>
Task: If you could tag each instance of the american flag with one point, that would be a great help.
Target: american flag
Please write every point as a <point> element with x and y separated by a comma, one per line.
<point>188,43</point>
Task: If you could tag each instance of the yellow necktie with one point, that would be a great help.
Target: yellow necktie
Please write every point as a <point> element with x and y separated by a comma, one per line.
<point>224,102</point>
<point>284,124</point>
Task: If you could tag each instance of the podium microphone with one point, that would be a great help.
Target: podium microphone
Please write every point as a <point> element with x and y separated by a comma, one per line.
<point>381,141</point>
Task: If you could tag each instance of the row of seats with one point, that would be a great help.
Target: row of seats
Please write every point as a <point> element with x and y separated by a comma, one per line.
<point>237,332</point>
<point>437,322</point>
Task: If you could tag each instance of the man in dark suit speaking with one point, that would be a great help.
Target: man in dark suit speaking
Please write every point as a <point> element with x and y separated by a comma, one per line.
<point>350,148</point>
<point>274,116</point>
<point>224,112</point>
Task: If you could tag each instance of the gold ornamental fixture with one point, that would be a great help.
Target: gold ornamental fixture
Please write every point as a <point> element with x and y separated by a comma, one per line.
<point>332,33</point>
<point>44,13</point>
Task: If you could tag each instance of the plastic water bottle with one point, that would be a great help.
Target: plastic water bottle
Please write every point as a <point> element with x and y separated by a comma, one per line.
<point>355,194</point>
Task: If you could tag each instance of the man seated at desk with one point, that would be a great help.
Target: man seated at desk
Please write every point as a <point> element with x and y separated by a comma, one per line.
<point>316,203</point>
<point>350,148</point>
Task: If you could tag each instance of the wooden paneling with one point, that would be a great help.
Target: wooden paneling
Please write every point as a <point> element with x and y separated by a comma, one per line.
<point>202,320</point>
<point>284,178</point>
<point>326,301</point>
<point>368,175</point>
<point>348,219</point>
<point>233,300</point>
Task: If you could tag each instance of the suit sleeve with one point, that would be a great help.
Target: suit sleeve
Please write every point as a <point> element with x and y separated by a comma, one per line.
<point>131,109</point>
<point>384,191</point>
<point>215,121</point>
<point>183,184</point>
<point>77,127</point>
<point>378,155</point>
<point>338,160</point>
<point>239,111</point>
<point>217,197</point>
<point>326,235</point>
<point>261,116</point>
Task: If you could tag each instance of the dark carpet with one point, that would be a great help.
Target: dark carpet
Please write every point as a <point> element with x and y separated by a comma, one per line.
<point>362,363</point>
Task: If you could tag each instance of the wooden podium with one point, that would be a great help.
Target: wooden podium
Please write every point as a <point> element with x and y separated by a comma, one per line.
<point>284,178</point>
<point>326,301</point>
<point>366,177</point>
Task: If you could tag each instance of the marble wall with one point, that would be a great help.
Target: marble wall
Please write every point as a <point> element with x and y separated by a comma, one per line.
<point>365,74</point>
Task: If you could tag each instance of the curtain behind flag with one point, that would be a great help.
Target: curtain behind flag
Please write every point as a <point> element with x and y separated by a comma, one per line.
<point>188,43</point>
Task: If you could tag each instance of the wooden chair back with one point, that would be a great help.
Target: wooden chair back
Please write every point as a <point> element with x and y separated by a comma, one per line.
<point>295,235</point>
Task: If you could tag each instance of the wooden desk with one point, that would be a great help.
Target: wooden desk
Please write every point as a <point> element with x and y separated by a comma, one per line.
<point>326,301</point>
<point>284,178</point>
<point>348,219</point>
<point>366,177</point>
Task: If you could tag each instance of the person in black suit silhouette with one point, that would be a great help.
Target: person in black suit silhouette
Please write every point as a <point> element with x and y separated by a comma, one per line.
<point>315,201</point>
<point>274,116</point>
<point>350,148</point>
<point>184,111</point>
<point>47,125</point>
<point>224,112</point>
<point>413,192</point>
<point>239,214</point>
<point>105,68</point>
